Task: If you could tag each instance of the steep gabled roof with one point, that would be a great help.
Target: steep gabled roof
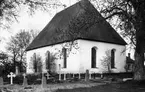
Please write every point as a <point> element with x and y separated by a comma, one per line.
<point>101,31</point>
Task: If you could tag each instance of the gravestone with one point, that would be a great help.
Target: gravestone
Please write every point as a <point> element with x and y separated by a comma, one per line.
<point>17,70</point>
<point>87,75</point>
<point>1,81</point>
<point>43,81</point>
<point>25,83</point>
<point>11,75</point>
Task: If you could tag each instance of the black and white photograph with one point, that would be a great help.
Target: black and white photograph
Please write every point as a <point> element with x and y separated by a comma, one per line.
<point>72,46</point>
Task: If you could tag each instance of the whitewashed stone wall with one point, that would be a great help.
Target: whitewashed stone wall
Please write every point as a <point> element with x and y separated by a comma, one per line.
<point>80,57</point>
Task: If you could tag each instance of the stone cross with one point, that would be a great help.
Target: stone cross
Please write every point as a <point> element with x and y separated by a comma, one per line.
<point>47,75</point>
<point>11,75</point>
<point>24,80</point>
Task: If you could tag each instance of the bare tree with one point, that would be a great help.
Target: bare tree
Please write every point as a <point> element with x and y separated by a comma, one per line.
<point>106,62</point>
<point>17,46</point>
<point>9,9</point>
<point>132,20</point>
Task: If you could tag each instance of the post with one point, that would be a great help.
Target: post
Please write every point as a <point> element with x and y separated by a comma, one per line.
<point>90,76</point>
<point>79,76</point>
<point>59,72</point>
<point>64,76</point>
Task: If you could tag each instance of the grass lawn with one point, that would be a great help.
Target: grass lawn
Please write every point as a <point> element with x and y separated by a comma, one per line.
<point>130,86</point>
<point>113,87</point>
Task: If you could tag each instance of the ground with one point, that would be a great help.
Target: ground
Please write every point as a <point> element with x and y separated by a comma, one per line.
<point>96,86</point>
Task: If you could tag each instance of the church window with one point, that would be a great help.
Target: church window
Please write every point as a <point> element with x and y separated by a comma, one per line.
<point>48,60</point>
<point>34,63</point>
<point>64,57</point>
<point>113,58</point>
<point>93,57</point>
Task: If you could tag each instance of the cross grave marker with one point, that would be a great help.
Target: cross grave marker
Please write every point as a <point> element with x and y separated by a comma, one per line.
<point>48,76</point>
<point>11,75</point>
<point>24,80</point>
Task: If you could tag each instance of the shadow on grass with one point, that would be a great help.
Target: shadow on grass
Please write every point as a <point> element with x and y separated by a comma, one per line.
<point>129,86</point>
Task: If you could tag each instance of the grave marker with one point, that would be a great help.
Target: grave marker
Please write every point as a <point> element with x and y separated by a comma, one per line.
<point>24,80</point>
<point>43,82</point>
<point>1,81</point>
<point>59,72</point>
<point>87,75</point>
<point>48,75</point>
<point>11,75</point>
<point>17,70</point>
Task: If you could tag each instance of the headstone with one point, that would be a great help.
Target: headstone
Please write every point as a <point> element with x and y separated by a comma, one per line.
<point>11,75</point>
<point>87,75</point>
<point>17,70</point>
<point>1,81</point>
<point>44,81</point>
<point>25,83</point>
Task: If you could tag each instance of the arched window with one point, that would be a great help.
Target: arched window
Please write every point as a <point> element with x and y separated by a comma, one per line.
<point>113,58</point>
<point>64,50</point>
<point>48,60</point>
<point>93,57</point>
<point>35,63</point>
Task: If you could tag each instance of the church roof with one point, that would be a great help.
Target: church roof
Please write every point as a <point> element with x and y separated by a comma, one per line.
<point>66,20</point>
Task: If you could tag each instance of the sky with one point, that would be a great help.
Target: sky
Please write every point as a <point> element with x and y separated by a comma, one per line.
<point>36,22</point>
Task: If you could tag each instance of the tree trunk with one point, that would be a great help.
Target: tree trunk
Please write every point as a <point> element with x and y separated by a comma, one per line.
<point>139,71</point>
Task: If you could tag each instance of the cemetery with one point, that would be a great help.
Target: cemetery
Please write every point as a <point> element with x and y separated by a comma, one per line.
<point>46,81</point>
<point>79,50</point>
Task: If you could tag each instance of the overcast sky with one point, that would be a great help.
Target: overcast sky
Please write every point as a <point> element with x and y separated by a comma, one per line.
<point>27,22</point>
<point>37,22</point>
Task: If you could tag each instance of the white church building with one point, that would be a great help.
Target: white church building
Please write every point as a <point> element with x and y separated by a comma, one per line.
<point>76,39</point>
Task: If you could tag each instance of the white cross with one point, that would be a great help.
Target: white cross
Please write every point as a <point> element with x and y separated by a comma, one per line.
<point>11,77</point>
